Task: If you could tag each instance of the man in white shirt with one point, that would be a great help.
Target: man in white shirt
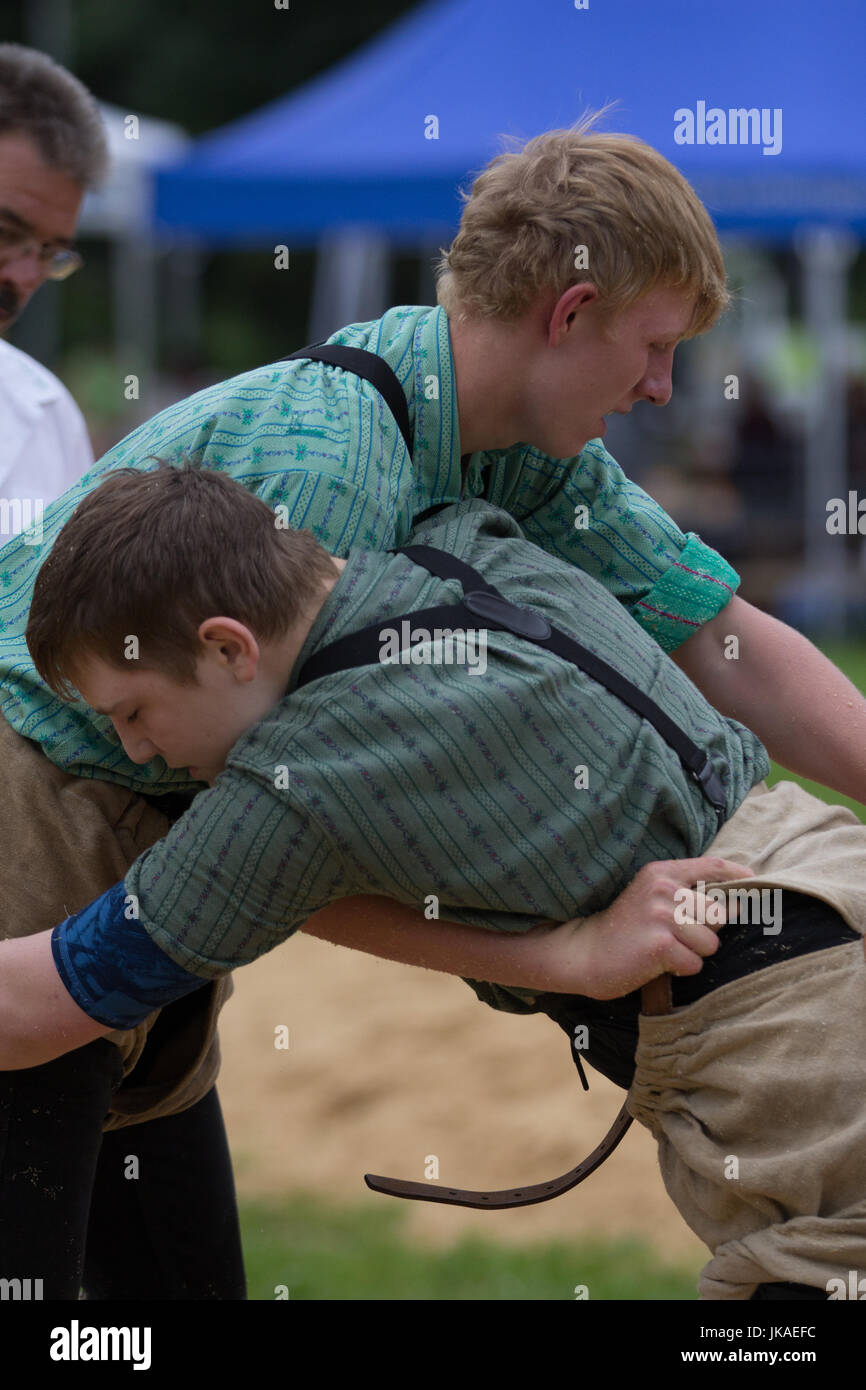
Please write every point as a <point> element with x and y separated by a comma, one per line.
<point>44,444</point>
<point>67,1210</point>
<point>46,165</point>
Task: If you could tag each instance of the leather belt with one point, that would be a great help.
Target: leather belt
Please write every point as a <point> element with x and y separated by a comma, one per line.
<point>655,999</point>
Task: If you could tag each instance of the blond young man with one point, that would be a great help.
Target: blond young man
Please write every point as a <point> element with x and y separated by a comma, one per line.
<point>505,382</point>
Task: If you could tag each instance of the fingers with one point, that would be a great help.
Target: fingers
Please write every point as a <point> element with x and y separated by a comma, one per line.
<point>706,909</point>
<point>695,928</point>
<point>698,936</point>
<point>709,868</point>
<point>683,962</point>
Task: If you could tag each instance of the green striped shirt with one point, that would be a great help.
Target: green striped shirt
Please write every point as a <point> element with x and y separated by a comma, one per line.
<point>323,443</point>
<point>411,780</point>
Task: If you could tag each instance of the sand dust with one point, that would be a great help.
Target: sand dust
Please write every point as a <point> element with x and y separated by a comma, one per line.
<point>387,1065</point>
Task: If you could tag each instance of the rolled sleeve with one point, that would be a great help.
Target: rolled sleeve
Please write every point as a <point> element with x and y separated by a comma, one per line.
<point>587,512</point>
<point>691,591</point>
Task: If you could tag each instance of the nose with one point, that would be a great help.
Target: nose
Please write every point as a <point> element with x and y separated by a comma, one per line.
<point>26,273</point>
<point>138,750</point>
<point>657,385</point>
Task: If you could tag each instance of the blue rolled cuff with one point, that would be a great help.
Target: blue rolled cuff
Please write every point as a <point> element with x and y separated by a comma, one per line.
<point>112,968</point>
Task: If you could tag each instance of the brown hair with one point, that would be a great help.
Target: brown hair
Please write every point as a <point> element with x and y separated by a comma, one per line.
<point>642,223</point>
<point>153,553</point>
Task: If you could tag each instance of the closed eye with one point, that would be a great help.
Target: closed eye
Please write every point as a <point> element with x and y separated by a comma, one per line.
<point>131,718</point>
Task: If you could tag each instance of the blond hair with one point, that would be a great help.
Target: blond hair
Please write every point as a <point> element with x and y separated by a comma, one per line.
<point>529,210</point>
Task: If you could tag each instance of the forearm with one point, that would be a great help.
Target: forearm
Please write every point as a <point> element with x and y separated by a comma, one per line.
<point>815,722</point>
<point>97,971</point>
<point>38,1019</point>
<point>382,927</point>
<point>808,715</point>
<point>603,956</point>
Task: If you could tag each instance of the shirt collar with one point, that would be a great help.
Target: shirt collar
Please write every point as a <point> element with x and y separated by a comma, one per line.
<point>354,579</point>
<point>27,383</point>
<point>416,344</point>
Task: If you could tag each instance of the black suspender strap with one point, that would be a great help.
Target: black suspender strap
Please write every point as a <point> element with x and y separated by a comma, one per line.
<point>376,370</point>
<point>370,366</point>
<point>482,601</point>
<point>429,511</point>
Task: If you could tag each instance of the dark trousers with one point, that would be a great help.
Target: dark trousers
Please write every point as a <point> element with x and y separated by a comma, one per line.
<point>143,1212</point>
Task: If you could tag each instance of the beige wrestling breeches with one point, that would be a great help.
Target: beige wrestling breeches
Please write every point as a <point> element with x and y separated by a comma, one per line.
<point>756,1093</point>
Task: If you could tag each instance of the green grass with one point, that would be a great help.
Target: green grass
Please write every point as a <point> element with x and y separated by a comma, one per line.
<point>324,1251</point>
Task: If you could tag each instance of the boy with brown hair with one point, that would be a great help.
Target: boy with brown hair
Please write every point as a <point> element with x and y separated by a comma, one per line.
<point>335,772</point>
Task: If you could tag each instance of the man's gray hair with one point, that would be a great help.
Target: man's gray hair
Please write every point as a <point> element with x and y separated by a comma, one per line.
<point>40,99</point>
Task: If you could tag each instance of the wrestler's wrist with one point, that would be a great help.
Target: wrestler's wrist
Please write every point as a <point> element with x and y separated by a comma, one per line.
<point>591,962</point>
<point>562,956</point>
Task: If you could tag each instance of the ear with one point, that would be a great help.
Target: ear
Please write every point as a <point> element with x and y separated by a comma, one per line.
<point>568,306</point>
<point>230,643</point>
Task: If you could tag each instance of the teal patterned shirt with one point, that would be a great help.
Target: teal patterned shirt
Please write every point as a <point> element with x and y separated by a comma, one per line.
<point>322,443</point>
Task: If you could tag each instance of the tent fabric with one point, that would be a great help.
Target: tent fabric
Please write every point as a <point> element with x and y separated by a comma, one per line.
<point>352,146</point>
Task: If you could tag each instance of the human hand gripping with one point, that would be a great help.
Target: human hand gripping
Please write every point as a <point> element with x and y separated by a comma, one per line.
<point>650,929</point>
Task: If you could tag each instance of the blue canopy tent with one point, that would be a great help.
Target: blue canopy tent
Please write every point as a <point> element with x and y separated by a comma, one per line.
<point>355,145</point>
<point>759,105</point>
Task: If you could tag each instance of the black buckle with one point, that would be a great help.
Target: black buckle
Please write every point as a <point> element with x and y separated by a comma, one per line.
<point>712,786</point>
<point>501,611</point>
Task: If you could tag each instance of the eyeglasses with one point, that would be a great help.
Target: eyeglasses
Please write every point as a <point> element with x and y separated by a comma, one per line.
<point>58,262</point>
